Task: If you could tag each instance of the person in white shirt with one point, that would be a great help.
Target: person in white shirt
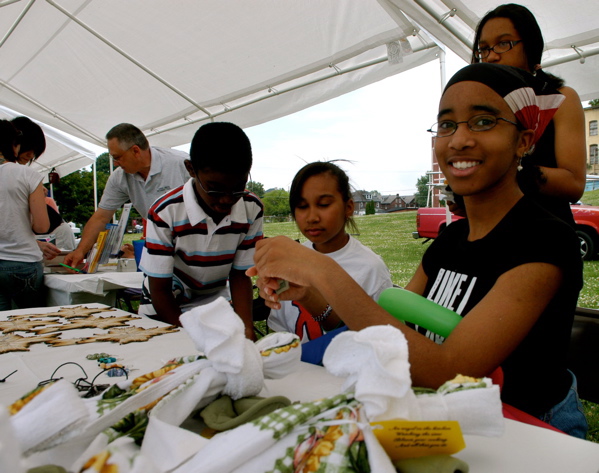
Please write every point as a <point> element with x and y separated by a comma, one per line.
<point>322,206</point>
<point>23,211</point>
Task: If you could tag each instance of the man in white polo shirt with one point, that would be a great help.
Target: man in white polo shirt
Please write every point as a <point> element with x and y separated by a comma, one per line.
<point>144,174</point>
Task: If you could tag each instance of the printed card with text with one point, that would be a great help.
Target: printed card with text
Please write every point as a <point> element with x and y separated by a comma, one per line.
<point>410,439</point>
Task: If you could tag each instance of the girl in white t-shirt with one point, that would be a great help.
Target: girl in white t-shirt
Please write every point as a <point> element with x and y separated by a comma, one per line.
<point>322,207</point>
<point>22,211</point>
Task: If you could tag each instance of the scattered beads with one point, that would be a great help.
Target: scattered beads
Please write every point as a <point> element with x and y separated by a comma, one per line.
<point>96,356</point>
<point>120,371</point>
<point>107,359</point>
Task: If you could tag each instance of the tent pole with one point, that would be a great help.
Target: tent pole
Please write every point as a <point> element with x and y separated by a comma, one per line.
<point>111,169</point>
<point>442,67</point>
<point>95,186</point>
<point>17,21</point>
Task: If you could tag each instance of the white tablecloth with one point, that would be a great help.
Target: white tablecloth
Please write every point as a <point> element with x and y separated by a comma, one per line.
<point>38,363</point>
<point>101,287</point>
<point>522,448</point>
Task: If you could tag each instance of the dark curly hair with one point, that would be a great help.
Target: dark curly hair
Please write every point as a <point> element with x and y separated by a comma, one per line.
<point>9,137</point>
<point>32,138</point>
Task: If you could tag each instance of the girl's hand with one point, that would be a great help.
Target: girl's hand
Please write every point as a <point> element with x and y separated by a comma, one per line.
<point>49,250</point>
<point>272,299</point>
<point>283,258</point>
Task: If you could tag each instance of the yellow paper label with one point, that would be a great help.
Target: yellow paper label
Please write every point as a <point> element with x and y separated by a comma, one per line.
<point>410,439</point>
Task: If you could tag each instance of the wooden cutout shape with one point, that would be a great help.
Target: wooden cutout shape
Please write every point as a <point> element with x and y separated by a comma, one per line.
<point>14,342</point>
<point>130,334</point>
<point>24,325</point>
<point>89,322</point>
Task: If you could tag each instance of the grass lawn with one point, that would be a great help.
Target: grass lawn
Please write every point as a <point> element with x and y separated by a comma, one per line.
<point>129,237</point>
<point>390,235</point>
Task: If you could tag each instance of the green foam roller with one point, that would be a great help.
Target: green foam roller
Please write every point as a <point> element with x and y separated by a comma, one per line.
<point>410,307</point>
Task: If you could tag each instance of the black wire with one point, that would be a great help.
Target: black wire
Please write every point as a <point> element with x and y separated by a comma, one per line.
<point>91,388</point>
<point>52,379</point>
<point>4,379</point>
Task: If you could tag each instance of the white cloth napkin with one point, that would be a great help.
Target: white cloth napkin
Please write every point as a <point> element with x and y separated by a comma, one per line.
<point>219,333</point>
<point>119,456</point>
<point>375,362</point>
<point>479,411</point>
<point>10,451</point>
<point>281,354</point>
<point>49,417</point>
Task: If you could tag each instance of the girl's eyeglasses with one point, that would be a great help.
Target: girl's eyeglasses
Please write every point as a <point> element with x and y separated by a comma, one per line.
<point>499,48</point>
<point>446,128</point>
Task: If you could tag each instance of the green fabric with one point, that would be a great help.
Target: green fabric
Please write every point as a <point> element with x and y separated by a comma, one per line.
<point>224,413</point>
<point>431,464</point>
<point>47,469</point>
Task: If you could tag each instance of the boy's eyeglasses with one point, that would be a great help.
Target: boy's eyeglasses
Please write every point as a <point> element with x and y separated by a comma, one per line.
<point>499,48</point>
<point>446,128</point>
<point>221,194</point>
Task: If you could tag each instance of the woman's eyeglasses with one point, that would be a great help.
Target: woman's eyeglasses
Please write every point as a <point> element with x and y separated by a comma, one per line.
<point>446,128</point>
<point>499,48</point>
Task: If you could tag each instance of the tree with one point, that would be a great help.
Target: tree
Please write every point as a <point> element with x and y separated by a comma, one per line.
<point>103,164</point>
<point>421,195</point>
<point>256,187</point>
<point>75,195</point>
<point>370,208</point>
<point>276,203</point>
<point>594,103</point>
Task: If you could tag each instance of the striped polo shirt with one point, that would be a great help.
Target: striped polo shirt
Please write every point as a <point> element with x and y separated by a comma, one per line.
<point>183,242</point>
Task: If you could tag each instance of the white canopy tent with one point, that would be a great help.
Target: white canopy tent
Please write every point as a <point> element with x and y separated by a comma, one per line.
<point>82,66</point>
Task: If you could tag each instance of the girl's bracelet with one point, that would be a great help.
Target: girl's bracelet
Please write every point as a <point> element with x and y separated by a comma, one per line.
<point>325,313</point>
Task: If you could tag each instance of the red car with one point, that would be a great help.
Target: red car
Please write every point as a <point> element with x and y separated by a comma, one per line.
<point>430,221</point>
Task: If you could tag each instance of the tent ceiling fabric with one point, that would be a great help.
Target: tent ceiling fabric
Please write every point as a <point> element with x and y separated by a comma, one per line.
<point>570,31</point>
<point>83,66</point>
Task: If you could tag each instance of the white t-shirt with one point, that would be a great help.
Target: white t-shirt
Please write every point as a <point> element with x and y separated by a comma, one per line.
<point>17,240</point>
<point>361,263</point>
<point>167,172</point>
<point>65,238</point>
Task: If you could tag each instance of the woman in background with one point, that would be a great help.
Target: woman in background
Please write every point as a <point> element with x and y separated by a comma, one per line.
<point>22,211</point>
<point>554,172</point>
<point>32,146</point>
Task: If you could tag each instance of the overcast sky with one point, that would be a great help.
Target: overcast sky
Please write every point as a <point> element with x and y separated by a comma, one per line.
<point>380,128</point>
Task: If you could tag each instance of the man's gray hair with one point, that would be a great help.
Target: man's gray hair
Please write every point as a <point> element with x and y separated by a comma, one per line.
<point>128,135</point>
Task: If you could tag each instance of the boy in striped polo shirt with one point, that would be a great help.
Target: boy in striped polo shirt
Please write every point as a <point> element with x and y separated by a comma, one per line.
<point>202,234</point>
